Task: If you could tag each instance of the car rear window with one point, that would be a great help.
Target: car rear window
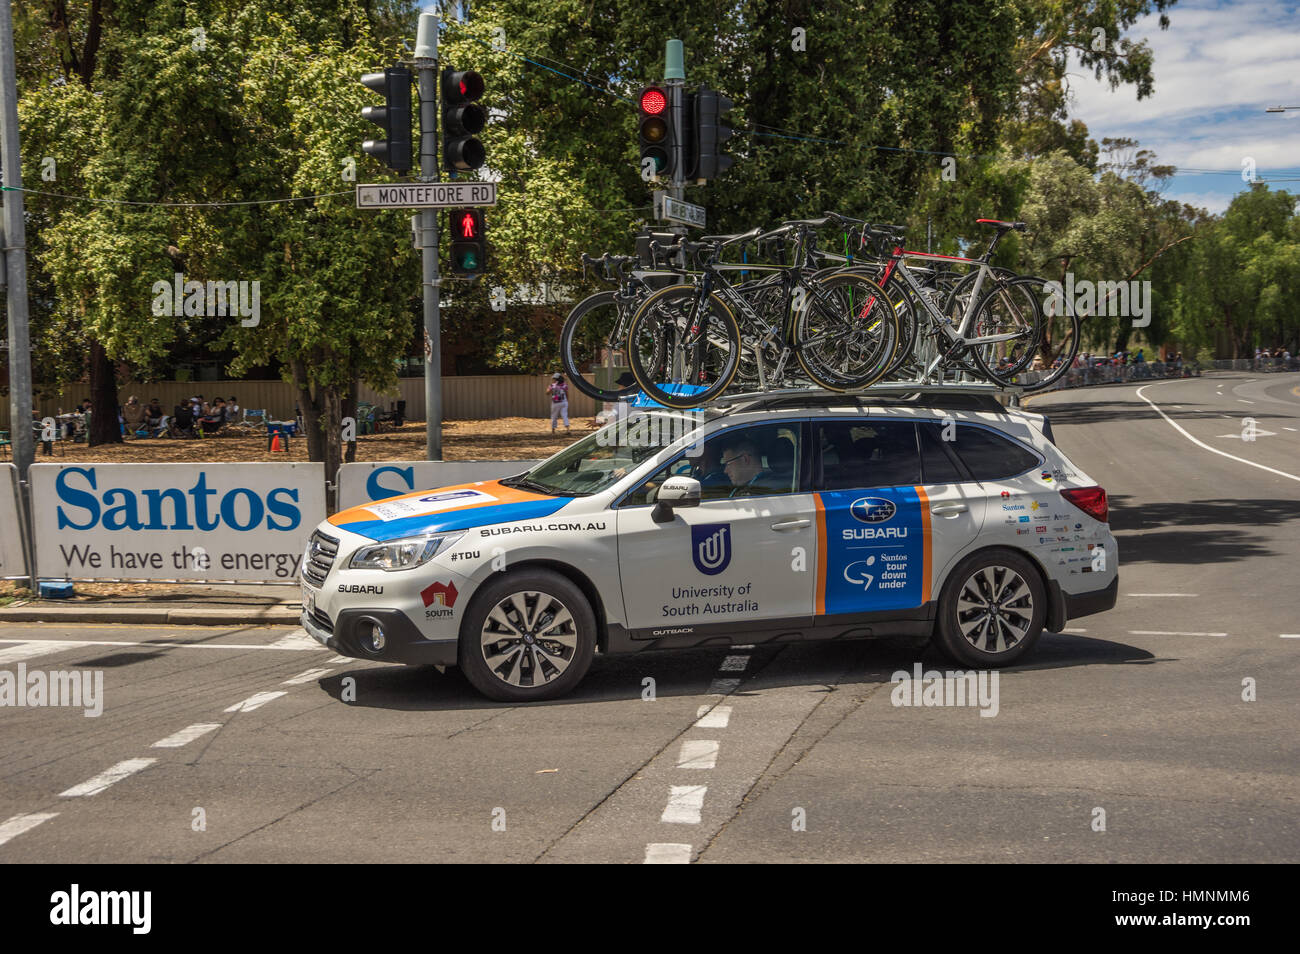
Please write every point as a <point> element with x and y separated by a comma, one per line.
<point>990,456</point>
<point>867,453</point>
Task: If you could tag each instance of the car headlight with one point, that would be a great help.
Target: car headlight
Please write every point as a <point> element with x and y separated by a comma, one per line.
<point>402,554</point>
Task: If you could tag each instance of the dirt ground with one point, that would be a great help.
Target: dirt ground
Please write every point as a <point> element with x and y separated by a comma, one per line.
<point>507,438</point>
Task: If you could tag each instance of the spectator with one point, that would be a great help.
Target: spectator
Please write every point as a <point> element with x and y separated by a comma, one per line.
<point>232,410</point>
<point>182,423</point>
<point>558,392</point>
<point>133,415</point>
<point>214,418</point>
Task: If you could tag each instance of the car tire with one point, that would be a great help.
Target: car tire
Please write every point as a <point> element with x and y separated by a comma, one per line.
<point>991,610</point>
<point>545,637</point>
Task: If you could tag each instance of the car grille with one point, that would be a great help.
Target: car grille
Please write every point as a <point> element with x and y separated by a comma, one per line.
<point>320,555</point>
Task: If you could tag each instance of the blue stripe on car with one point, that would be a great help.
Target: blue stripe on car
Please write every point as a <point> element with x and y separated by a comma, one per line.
<point>382,530</point>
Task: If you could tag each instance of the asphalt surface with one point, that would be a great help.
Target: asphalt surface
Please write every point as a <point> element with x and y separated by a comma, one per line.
<point>1135,717</point>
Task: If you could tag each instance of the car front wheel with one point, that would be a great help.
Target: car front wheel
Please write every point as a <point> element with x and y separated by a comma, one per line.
<point>991,610</point>
<point>528,636</point>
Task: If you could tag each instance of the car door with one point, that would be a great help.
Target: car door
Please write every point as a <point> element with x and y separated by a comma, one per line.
<point>884,531</point>
<point>741,561</point>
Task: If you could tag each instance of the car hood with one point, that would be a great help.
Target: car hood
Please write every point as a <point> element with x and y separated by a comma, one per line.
<point>458,507</point>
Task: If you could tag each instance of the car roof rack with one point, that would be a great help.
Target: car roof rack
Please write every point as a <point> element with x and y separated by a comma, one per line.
<point>957,397</point>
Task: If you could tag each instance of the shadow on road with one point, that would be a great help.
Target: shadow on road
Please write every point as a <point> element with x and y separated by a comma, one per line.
<point>1196,531</point>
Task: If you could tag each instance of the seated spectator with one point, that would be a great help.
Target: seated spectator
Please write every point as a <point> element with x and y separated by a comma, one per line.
<point>232,410</point>
<point>182,422</point>
<point>133,415</point>
<point>215,418</point>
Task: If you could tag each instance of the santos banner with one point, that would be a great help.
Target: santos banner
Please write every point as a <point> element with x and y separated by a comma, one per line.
<point>12,564</point>
<point>363,483</point>
<point>175,521</point>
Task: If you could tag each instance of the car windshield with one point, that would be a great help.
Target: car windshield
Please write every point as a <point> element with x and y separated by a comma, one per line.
<point>602,459</point>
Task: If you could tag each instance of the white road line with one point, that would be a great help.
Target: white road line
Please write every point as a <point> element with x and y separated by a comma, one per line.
<point>712,717</point>
<point>296,639</point>
<point>664,854</point>
<point>684,804</point>
<point>106,778</point>
<point>723,686</point>
<point>1074,629</point>
<point>1289,635</point>
<point>1292,429</point>
<point>63,644</point>
<point>20,823</point>
<point>698,754</point>
<point>342,659</point>
<point>1157,632</point>
<point>33,649</point>
<point>1159,594</point>
<point>307,676</point>
<point>255,702</point>
<point>734,664</point>
<point>186,735</point>
<point>1244,401</point>
<point>1203,445</point>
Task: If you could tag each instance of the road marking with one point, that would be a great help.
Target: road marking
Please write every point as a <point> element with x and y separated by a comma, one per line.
<point>684,804</point>
<point>31,650</point>
<point>343,659</point>
<point>1157,632</point>
<point>255,702</point>
<point>20,823</point>
<point>106,778</point>
<point>713,717</point>
<point>186,735</point>
<point>1074,629</point>
<point>1159,594</point>
<point>1289,635</point>
<point>296,639</point>
<point>698,754</point>
<point>1259,432</point>
<point>307,676</point>
<point>734,664</point>
<point>1291,429</point>
<point>63,644</point>
<point>1202,444</point>
<point>664,854</point>
<point>1244,401</point>
<point>723,686</point>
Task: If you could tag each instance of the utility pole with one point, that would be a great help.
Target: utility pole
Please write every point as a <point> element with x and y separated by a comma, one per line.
<point>426,64</point>
<point>14,236</point>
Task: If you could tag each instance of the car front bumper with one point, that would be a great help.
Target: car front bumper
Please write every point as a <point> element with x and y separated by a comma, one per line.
<point>403,643</point>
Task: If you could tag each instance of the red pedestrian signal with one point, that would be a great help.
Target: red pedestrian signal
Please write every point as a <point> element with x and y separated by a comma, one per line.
<point>468,242</point>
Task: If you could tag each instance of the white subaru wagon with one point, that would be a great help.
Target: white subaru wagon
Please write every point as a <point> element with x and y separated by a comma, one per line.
<point>775,518</point>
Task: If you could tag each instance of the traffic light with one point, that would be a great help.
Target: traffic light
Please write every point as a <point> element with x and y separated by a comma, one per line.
<point>655,132</point>
<point>711,161</point>
<point>462,120</point>
<point>394,84</point>
<point>468,241</point>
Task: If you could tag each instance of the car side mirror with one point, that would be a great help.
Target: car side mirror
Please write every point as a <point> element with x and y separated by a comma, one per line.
<point>675,492</point>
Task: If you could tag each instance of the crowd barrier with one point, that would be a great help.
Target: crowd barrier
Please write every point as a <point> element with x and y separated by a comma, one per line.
<point>195,522</point>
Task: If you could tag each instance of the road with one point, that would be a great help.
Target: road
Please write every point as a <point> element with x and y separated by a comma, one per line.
<point>1125,739</point>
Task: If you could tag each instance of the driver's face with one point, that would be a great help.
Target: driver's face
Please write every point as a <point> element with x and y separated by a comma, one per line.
<point>739,466</point>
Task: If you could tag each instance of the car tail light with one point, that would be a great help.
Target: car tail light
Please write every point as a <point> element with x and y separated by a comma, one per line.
<point>1091,500</point>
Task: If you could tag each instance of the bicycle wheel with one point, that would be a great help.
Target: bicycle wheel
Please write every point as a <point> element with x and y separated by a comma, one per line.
<point>846,332</point>
<point>1011,307</point>
<point>593,345</point>
<point>683,355</point>
<point>1058,342</point>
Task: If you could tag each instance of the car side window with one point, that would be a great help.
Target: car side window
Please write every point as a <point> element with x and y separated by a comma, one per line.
<point>867,453</point>
<point>990,456</point>
<point>937,466</point>
<point>754,461</point>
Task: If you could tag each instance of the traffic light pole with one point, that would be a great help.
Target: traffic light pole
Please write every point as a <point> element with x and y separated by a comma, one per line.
<point>426,64</point>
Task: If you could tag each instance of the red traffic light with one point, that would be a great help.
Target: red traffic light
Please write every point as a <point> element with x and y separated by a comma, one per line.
<point>653,101</point>
<point>467,225</point>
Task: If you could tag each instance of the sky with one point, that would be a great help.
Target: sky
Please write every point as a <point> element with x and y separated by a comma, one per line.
<point>1216,68</point>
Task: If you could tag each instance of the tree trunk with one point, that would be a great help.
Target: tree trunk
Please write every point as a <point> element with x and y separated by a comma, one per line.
<point>321,422</point>
<point>350,410</point>
<point>104,427</point>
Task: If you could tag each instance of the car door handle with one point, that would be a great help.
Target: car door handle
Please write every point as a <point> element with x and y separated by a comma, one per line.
<point>949,510</point>
<point>792,525</point>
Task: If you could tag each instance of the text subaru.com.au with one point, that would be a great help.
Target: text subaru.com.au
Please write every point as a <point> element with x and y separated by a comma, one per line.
<point>762,521</point>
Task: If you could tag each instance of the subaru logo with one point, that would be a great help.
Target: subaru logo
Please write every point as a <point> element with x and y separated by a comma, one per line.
<point>872,509</point>
<point>711,547</point>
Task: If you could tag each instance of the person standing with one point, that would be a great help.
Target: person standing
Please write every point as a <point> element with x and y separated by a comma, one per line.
<point>558,392</point>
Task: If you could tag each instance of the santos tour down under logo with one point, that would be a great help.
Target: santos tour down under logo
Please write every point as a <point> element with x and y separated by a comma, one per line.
<point>711,547</point>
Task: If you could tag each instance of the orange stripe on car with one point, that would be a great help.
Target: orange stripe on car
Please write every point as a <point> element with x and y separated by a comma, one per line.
<point>822,565</point>
<point>925,544</point>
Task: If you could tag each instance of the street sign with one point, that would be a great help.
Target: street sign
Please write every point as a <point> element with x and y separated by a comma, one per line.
<point>425,195</point>
<point>675,210</point>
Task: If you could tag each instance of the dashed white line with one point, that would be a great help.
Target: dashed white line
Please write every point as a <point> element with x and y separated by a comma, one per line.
<point>1292,429</point>
<point>684,804</point>
<point>307,676</point>
<point>1289,635</point>
<point>712,717</point>
<point>106,778</point>
<point>698,754</point>
<point>1244,401</point>
<point>1158,632</point>
<point>734,664</point>
<point>20,823</point>
<point>33,649</point>
<point>255,701</point>
<point>186,735</point>
<point>59,645</point>
<point>1160,594</point>
<point>666,854</point>
<point>723,686</point>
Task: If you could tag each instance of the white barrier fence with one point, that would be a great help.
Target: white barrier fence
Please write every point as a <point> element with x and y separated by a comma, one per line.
<point>13,565</point>
<point>226,522</point>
